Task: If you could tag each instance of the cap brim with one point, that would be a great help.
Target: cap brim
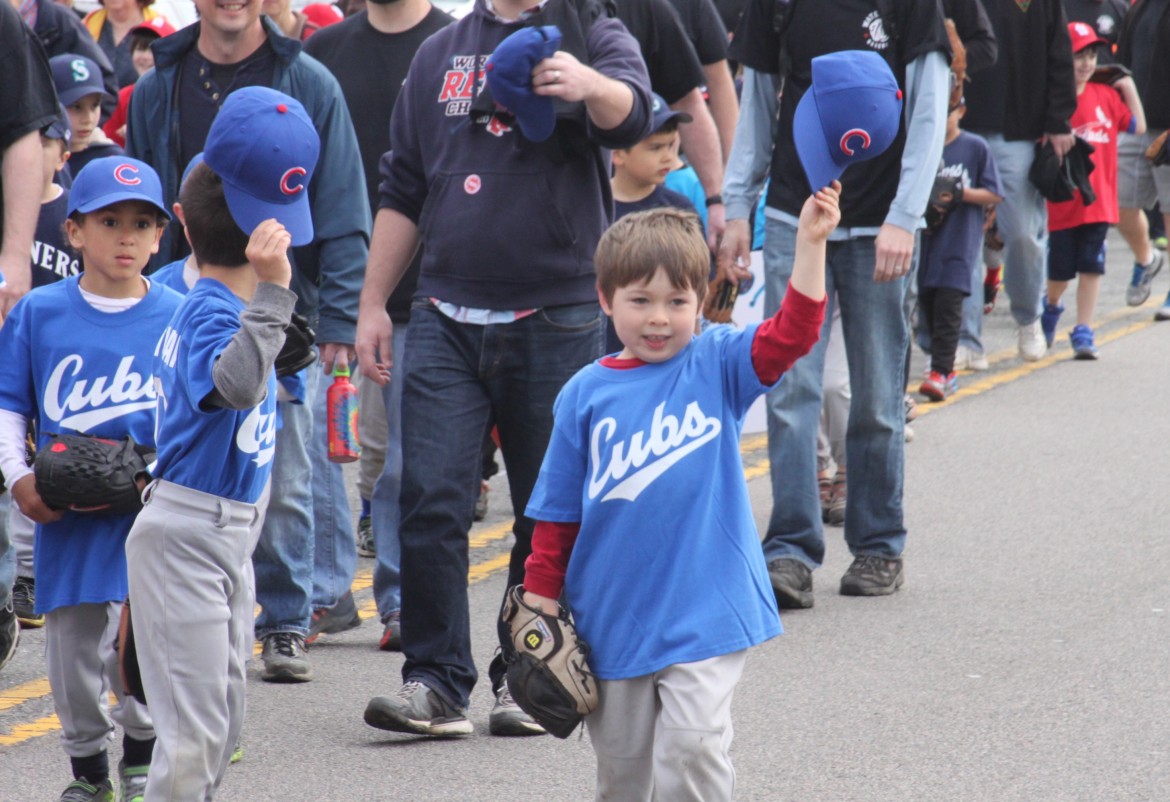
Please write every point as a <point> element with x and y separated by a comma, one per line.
<point>248,212</point>
<point>71,96</point>
<point>819,167</point>
<point>110,198</point>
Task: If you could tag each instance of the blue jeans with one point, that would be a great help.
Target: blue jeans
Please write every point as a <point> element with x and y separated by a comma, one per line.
<point>1023,224</point>
<point>385,514</point>
<point>283,559</point>
<point>7,553</point>
<point>876,337</point>
<point>460,379</point>
<point>334,549</point>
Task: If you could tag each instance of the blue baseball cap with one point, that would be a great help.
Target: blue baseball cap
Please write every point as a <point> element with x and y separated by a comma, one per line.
<point>75,77</point>
<point>264,147</point>
<point>196,160</point>
<point>113,179</point>
<point>851,113</point>
<point>663,113</point>
<point>60,127</point>
<point>509,77</point>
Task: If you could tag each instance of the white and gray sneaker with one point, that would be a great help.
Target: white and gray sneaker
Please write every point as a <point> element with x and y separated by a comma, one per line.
<point>1143,275</point>
<point>285,658</point>
<point>418,710</point>
<point>9,633</point>
<point>508,718</point>
<point>1031,342</point>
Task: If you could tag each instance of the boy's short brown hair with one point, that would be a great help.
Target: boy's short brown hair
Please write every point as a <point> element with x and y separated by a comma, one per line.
<point>639,244</point>
<point>215,237</point>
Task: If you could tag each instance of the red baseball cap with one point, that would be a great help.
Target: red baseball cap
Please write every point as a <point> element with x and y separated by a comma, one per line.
<point>1083,35</point>
<point>157,25</point>
<point>323,14</point>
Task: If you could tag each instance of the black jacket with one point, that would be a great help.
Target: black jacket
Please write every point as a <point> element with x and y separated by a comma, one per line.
<point>1156,103</point>
<point>60,31</point>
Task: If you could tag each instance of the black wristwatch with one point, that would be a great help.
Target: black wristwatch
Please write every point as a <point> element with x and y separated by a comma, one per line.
<point>714,199</point>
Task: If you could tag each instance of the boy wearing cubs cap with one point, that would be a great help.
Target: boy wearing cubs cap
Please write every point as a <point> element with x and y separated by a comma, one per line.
<point>656,427</point>
<point>79,88</point>
<point>189,552</point>
<point>75,357</point>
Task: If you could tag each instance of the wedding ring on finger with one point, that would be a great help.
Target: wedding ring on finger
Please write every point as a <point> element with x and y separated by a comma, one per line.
<point>556,76</point>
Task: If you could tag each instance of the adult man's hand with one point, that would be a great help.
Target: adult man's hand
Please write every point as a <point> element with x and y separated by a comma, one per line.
<point>716,226</point>
<point>894,248</point>
<point>735,251</point>
<point>336,354</point>
<point>375,341</point>
<point>17,274</point>
<point>1061,143</point>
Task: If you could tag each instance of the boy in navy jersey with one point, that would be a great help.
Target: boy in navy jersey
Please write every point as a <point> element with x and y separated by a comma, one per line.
<point>642,511</point>
<point>52,259</point>
<point>75,357</point>
<point>190,550</point>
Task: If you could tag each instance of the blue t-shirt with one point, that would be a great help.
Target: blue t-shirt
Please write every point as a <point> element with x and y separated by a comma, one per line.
<point>667,567</point>
<point>224,452</point>
<point>72,368</point>
<point>950,253</point>
<point>171,275</point>
<point>52,257</point>
<point>685,181</point>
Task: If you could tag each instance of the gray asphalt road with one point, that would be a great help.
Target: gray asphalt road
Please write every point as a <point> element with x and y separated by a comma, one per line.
<point>1025,659</point>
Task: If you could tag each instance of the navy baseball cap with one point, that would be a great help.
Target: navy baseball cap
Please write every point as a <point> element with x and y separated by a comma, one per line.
<point>75,77</point>
<point>509,77</point>
<point>60,127</point>
<point>851,113</point>
<point>663,113</point>
<point>265,148</point>
<point>113,179</point>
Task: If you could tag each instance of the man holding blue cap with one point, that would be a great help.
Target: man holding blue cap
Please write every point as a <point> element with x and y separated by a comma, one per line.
<point>838,110</point>
<point>497,164</point>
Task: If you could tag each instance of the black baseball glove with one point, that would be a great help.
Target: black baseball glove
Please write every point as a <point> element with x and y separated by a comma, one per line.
<point>945,196</point>
<point>547,672</point>
<point>297,352</point>
<point>92,474</point>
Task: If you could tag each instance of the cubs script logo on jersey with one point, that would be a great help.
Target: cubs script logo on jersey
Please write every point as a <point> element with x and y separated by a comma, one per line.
<point>647,455</point>
<point>82,403</point>
<point>257,436</point>
<point>875,32</point>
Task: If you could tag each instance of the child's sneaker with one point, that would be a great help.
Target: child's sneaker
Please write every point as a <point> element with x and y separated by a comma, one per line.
<point>131,782</point>
<point>1048,320</point>
<point>1082,342</point>
<point>82,791</point>
<point>992,280</point>
<point>938,387</point>
<point>1163,312</point>
<point>365,537</point>
<point>1143,275</point>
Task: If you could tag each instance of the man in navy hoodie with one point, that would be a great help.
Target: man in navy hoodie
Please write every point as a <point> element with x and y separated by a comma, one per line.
<point>505,312</point>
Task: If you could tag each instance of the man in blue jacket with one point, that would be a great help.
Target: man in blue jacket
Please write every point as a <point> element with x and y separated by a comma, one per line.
<point>506,308</point>
<point>170,114</point>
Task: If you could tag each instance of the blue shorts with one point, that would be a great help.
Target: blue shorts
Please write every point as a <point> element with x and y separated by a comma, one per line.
<point>1080,249</point>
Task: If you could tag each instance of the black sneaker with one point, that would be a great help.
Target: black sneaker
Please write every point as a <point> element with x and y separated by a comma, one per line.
<point>792,582</point>
<point>391,640</point>
<point>84,791</point>
<point>24,598</point>
<point>341,617</point>
<point>872,575</point>
<point>507,718</point>
<point>9,633</point>
<point>419,710</point>
<point>285,658</point>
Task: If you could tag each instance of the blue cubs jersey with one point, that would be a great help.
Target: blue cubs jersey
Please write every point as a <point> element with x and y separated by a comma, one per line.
<point>171,275</point>
<point>224,452</point>
<point>72,368</point>
<point>667,567</point>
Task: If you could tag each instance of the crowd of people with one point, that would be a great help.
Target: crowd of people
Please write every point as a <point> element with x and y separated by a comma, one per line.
<point>180,189</point>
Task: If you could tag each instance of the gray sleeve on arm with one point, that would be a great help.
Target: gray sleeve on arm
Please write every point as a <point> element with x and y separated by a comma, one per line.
<point>241,371</point>
<point>751,149</point>
<point>927,92</point>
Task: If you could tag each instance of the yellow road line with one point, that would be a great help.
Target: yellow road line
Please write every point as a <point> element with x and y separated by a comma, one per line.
<point>11,697</point>
<point>26,732</point>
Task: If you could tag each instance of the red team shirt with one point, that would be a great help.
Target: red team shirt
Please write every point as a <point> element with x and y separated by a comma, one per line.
<point>1101,115</point>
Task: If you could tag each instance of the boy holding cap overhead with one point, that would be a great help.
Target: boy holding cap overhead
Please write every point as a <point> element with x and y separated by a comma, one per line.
<point>190,549</point>
<point>79,88</point>
<point>75,357</point>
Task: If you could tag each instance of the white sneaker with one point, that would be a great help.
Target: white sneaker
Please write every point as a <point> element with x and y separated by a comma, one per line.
<point>1031,342</point>
<point>977,360</point>
<point>962,358</point>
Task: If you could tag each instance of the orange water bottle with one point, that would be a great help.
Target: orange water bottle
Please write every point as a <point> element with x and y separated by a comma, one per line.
<point>342,413</point>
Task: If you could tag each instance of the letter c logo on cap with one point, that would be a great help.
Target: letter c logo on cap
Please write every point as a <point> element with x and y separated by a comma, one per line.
<point>127,174</point>
<point>291,174</point>
<point>850,134</point>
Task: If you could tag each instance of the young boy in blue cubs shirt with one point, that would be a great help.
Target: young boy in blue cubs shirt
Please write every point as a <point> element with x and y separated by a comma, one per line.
<point>75,356</point>
<point>189,552</point>
<point>642,511</point>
